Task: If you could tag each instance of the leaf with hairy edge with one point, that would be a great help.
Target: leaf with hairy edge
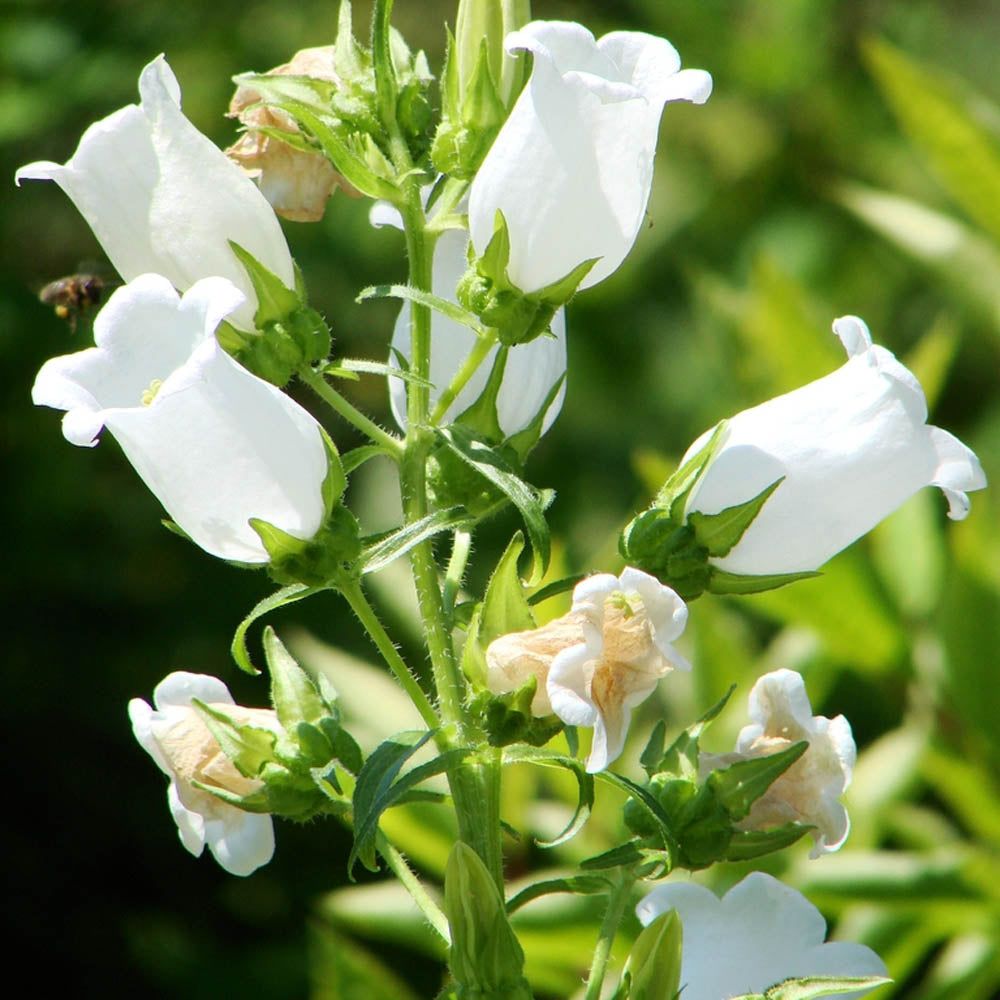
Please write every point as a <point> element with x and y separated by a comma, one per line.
<point>379,787</point>
<point>521,753</point>
<point>810,987</point>
<point>531,503</point>
<point>448,309</point>
<point>287,595</point>
<point>583,885</point>
<point>399,542</point>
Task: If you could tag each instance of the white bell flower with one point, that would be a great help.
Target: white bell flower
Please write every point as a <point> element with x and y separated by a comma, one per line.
<point>161,197</point>
<point>601,659</point>
<point>572,166</point>
<point>215,444</point>
<point>851,448</point>
<point>810,790</point>
<point>174,735</point>
<point>530,372</point>
<point>759,934</point>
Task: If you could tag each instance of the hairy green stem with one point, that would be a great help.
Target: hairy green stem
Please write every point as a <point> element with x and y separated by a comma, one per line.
<point>398,866</point>
<point>366,614</point>
<point>617,899</point>
<point>350,413</point>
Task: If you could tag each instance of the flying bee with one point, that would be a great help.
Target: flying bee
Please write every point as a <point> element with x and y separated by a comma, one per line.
<point>73,296</point>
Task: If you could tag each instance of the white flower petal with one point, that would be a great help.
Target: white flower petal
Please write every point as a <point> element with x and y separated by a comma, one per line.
<point>850,448</point>
<point>180,687</point>
<point>241,844</point>
<point>160,197</point>
<point>760,933</point>
<point>216,444</point>
<point>572,166</point>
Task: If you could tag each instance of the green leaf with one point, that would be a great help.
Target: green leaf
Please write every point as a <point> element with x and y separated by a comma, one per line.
<point>741,784</point>
<point>287,595</point>
<point>530,503</point>
<point>577,884</point>
<point>662,823</point>
<point>722,582</point>
<point>934,110</point>
<point>674,493</point>
<point>555,588</point>
<point>379,555</point>
<point>356,457</point>
<point>447,308</point>
<point>633,852</point>
<point>505,608</point>
<point>681,757</point>
<point>585,785</point>
<point>380,786</point>
<point>718,533</point>
<point>352,366</point>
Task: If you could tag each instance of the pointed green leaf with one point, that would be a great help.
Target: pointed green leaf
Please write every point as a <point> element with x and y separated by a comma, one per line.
<point>721,582</point>
<point>822,986</point>
<point>391,547</point>
<point>482,415</point>
<point>576,884</point>
<point>747,845</point>
<point>675,491</point>
<point>505,608</point>
<point>585,784</point>
<point>293,693</point>
<point>248,747</point>
<point>654,963</point>
<point>447,308</point>
<point>530,503</point>
<point>661,821</point>
<point>287,595</point>
<point>274,300</point>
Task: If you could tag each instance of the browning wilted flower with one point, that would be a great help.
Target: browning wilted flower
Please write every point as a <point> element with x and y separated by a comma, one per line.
<point>295,181</point>
<point>175,736</point>
<point>810,790</point>
<point>599,661</point>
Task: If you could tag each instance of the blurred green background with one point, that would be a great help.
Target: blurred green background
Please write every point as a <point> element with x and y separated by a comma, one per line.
<point>848,162</point>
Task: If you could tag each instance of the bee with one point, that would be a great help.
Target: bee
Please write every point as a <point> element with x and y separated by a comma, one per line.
<point>73,296</point>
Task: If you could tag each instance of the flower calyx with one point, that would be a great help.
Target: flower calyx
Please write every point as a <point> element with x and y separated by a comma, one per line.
<point>289,332</point>
<point>297,765</point>
<point>518,317</point>
<point>677,547</point>
<point>705,814</point>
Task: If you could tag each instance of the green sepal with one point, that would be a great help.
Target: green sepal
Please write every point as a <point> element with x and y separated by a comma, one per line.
<point>718,533</point>
<point>293,694</point>
<point>647,862</point>
<point>674,493</point>
<point>482,415</point>
<point>289,332</point>
<point>248,747</point>
<point>345,747</point>
<point>319,561</point>
<point>507,718</point>
<point>653,969</point>
<point>748,845</point>
<point>811,987</point>
<point>519,318</point>
<point>485,957</point>
<point>681,758</point>
<point>503,610</point>
<point>255,802</point>
<point>738,786</point>
<point>525,439</point>
<point>721,582</point>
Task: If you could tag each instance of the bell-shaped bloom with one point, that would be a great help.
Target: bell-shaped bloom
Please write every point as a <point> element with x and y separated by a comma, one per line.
<point>215,444</point>
<point>810,790</point>
<point>598,661</point>
<point>849,448</point>
<point>174,735</point>
<point>571,168</point>
<point>759,934</point>
<point>531,370</point>
<point>160,197</point>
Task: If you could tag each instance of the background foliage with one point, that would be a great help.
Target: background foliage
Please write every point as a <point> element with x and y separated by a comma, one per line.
<point>849,161</point>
